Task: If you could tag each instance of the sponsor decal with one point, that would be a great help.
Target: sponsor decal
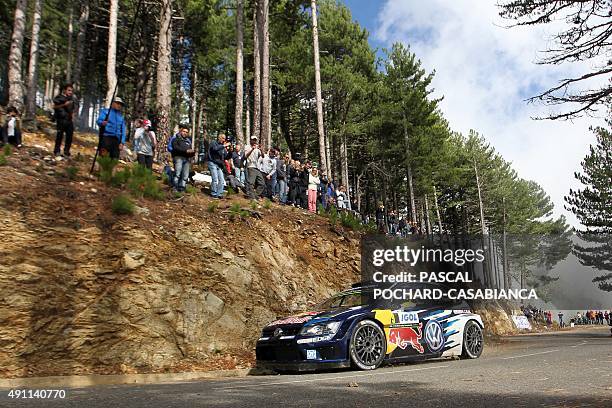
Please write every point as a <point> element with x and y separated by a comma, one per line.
<point>406,317</point>
<point>434,336</point>
<point>311,354</point>
<point>314,339</point>
<point>403,337</point>
<point>301,318</point>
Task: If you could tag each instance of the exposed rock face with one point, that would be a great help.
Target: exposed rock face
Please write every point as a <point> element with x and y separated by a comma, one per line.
<point>84,292</point>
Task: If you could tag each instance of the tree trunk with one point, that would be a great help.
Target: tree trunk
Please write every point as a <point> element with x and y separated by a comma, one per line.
<point>483,228</point>
<point>247,136</point>
<point>80,45</point>
<point>69,56</point>
<point>239,71</point>
<point>257,69</point>
<point>266,131</point>
<point>438,213</point>
<point>164,75</point>
<point>111,59</point>
<point>409,169</point>
<point>427,218</point>
<point>323,147</point>
<point>15,81</point>
<point>504,247</point>
<point>33,66</point>
<point>194,106</point>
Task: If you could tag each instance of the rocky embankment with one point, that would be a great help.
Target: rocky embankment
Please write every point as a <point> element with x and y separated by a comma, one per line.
<point>173,287</point>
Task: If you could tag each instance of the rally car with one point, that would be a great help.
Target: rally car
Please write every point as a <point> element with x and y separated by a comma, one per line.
<point>353,329</point>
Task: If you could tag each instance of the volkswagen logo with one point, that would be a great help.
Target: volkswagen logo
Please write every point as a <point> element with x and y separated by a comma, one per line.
<point>278,332</point>
<point>434,335</point>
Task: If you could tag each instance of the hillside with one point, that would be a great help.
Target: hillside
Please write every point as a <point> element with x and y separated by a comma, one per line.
<point>173,287</point>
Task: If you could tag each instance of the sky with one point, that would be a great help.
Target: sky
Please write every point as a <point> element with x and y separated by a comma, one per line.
<point>485,71</point>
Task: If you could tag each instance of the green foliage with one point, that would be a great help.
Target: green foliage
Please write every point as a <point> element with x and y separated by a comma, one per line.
<point>3,161</point>
<point>122,205</point>
<point>212,207</point>
<point>320,209</point>
<point>7,150</point>
<point>333,216</point>
<point>254,205</point>
<point>121,178</point>
<point>230,191</point>
<point>349,220</point>
<point>189,189</point>
<point>267,204</point>
<point>143,183</point>
<point>107,166</point>
<point>71,172</point>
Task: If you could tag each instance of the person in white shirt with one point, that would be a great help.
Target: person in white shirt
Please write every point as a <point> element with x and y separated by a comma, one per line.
<point>11,132</point>
<point>313,186</point>
<point>144,144</point>
<point>267,167</point>
<point>255,181</point>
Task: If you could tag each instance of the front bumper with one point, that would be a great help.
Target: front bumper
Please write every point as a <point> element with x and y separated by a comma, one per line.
<point>295,355</point>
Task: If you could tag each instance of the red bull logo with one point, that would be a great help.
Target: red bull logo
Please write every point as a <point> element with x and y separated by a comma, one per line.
<point>405,336</point>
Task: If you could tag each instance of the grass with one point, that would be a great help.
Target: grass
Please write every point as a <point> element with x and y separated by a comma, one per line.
<point>122,205</point>
<point>7,150</point>
<point>71,172</point>
<point>107,166</point>
<point>254,205</point>
<point>212,207</point>
<point>267,204</point>
<point>191,189</point>
<point>3,160</point>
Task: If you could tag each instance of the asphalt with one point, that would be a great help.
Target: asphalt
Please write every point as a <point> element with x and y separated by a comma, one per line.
<point>564,369</point>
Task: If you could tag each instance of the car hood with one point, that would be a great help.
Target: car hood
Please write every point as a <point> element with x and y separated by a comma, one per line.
<point>339,313</point>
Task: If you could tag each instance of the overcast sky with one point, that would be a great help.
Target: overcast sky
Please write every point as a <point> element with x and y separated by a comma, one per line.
<point>486,72</point>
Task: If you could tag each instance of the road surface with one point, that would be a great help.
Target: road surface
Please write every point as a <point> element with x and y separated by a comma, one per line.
<point>564,369</point>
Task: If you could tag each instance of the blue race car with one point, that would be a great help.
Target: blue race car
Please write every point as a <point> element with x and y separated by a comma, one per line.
<point>353,329</point>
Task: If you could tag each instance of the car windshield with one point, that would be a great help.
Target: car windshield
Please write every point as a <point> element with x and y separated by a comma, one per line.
<point>347,299</point>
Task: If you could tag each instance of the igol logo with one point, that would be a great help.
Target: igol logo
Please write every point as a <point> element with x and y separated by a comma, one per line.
<point>434,335</point>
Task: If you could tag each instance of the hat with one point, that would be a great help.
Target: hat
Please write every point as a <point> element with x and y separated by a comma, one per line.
<point>118,100</point>
<point>253,138</point>
<point>146,123</point>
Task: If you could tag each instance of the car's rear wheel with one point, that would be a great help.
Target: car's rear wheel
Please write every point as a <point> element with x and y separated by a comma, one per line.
<point>367,345</point>
<point>473,340</point>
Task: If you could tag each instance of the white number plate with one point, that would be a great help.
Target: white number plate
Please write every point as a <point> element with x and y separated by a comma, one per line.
<point>311,354</point>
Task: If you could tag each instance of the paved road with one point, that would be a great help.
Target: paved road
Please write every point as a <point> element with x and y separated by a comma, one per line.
<point>567,369</point>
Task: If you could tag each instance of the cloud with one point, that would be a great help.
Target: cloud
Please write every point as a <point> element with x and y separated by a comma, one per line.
<point>485,71</point>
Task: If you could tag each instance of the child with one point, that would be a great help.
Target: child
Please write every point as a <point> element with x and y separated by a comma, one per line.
<point>10,131</point>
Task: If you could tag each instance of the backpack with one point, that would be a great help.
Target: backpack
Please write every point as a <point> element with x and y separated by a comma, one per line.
<point>170,143</point>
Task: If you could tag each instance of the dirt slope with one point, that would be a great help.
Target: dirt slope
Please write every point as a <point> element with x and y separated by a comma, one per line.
<point>173,287</point>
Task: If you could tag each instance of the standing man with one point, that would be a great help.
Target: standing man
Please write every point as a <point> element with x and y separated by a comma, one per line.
<point>217,153</point>
<point>182,151</point>
<point>255,181</point>
<point>238,164</point>
<point>267,167</point>
<point>113,124</point>
<point>144,144</point>
<point>63,107</point>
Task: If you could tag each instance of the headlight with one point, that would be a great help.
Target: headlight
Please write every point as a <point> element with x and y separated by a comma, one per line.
<point>323,329</point>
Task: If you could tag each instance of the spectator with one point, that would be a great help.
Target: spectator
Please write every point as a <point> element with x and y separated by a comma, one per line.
<point>144,144</point>
<point>267,167</point>
<point>182,151</point>
<point>380,218</point>
<point>294,172</point>
<point>217,153</point>
<point>392,223</point>
<point>313,185</point>
<point>113,124</point>
<point>255,180</point>
<point>238,164</point>
<point>11,131</point>
<point>303,186</point>
<point>282,164</point>
<point>341,198</point>
<point>402,227</point>
<point>63,112</point>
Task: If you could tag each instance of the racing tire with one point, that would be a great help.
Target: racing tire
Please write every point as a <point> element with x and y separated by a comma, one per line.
<point>473,340</point>
<point>367,345</point>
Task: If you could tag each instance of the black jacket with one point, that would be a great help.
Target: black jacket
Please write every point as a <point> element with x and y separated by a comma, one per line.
<point>180,145</point>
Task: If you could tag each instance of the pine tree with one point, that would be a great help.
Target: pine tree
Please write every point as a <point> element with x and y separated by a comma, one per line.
<point>593,208</point>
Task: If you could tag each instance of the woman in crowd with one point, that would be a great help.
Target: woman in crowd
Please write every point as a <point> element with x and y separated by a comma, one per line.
<point>144,144</point>
<point>313,185</point>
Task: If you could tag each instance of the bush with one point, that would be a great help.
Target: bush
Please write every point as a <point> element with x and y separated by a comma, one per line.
<point>212,207</point>
<point>267,204</point>
<point>144,184</point>
<point>122,204</point>
<point>3,160</point>
<point>107,166</point>
<point>121,178</point>
<point>191,189</point>
<point>320,209</point>
<point>230,191</point>
<point>71,172</point>
<point>254,205</point>
<point>333,216</point>
<point>7,150</point>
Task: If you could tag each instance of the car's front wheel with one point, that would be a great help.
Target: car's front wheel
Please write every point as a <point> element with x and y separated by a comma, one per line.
<point>367,345</point>
<point>473,340</point>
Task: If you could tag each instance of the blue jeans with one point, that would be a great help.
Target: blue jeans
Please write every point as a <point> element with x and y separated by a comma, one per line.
<point>282,190</point>
<point>273,184</point>
<point>218,179</point>
<point>240,175</point>
<point>181,172</point>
